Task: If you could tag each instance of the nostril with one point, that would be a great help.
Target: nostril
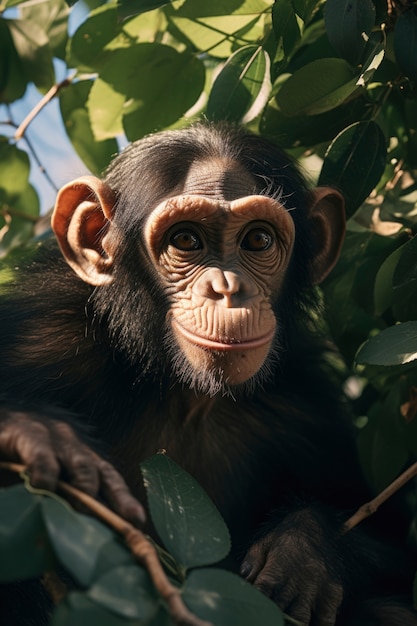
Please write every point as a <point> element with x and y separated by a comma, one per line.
<point>226,283</point>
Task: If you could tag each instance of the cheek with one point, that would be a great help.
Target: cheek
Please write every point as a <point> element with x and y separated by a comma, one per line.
<point>233,367</point>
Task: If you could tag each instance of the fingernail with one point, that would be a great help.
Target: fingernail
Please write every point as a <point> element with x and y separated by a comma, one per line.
<point>245,569</point>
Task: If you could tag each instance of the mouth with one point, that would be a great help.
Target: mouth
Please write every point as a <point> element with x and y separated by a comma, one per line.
<point>232,345</point>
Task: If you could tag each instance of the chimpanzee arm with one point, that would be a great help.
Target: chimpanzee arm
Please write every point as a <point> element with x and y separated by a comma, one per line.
<point>50,449</point>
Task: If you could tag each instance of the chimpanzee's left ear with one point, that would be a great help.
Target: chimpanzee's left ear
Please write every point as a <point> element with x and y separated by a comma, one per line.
<point>80,221</point>
<point>327,212</point>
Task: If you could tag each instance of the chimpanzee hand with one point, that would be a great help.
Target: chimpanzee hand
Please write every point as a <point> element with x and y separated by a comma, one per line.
<point>297,564</point>
<point>50,449</point>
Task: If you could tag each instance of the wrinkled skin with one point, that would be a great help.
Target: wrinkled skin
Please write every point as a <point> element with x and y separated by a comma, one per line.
<point>180,320</point>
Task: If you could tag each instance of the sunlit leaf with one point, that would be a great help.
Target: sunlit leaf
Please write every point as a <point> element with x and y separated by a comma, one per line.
<point>219,35</point>
<point>225,599</point>
<point>396,345</point>
<point>317,87</point>
<point>348,25</point>
<point>87,45</point>
<point>197,10</point>
<point>52,17</point>
<point>105,107</point>
<point>185,518</point>
<point>24,546</point>
<point>242,88</point>
<point>95,154</point>
<point>128,8</point>
<point>143,77</point>
<point>32,46</point>
<point>405,42</point>
<point>14,169</point>
<point>354,162</point>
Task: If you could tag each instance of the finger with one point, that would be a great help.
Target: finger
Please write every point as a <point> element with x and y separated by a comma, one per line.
<point>117,493</point>
<point>30,442</point>
<point>254,561</point>
<point>300,609</point>
<point>328,605</point>
<point>77,459</point>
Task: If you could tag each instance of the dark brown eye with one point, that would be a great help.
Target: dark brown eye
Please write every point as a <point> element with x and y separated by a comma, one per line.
<point>257,240</point>
<point>185,240</point>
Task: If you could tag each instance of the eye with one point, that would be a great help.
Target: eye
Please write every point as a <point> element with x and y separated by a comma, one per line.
<point>257,240</point>
<point>186,240</point>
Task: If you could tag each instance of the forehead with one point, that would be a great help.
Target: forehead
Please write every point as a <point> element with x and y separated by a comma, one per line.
<point>220,179</point>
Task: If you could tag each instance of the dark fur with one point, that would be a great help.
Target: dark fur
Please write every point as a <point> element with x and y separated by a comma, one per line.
<point>262,454</point>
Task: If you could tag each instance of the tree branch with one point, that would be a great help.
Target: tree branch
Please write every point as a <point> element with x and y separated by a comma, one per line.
<point>141,548</point>
<point>38,108</point>
<point>369,508</point>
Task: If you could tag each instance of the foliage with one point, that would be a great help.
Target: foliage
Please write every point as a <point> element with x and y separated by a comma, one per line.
<point>38,530</point>
<point>334,82</point>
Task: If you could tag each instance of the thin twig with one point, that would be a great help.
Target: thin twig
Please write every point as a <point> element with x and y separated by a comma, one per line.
<point>371,507</point>
<point>141,548</point>
<point>41,104</point>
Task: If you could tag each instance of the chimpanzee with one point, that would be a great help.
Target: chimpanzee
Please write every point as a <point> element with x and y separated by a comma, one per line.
<point>181,315</point>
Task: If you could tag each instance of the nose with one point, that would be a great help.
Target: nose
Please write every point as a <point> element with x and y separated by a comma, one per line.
<point>221,285</point>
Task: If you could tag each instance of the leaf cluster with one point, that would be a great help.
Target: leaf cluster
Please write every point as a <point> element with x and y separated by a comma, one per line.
<point>39,531</point>
<point>334,82</point>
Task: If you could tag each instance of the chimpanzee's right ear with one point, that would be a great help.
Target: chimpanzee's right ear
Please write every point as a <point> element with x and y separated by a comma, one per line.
<point>81,219</point>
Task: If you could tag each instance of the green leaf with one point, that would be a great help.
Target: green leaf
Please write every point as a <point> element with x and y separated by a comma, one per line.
<point>13,82</point>
<point>381,442</point>
<point>349,24</point>
<point>355,162</point>
<point>198,10</point>
<point>405,42</point>
<point>305,8</point>
<point>405,272</point>
<point>308,130</point>
<point>18,220</point>
<point>185,518</point>
<point>285,24</point>
<point>24,548</point>
<point>383,283</point>
<point>242,88</point>
<point>32,46</point>
<point>105,110</point>
<point>317,87</point>
<point>396,345</point>
<point>78,610</point>
<point>76,539</point>
<point>144,76</point>
<point>95,154</point>
<point>87,45</point>
<point>128,592</point>
<point>52,17</point>
<point>219,35</point>
<point>128,8</point>
<point>14,170</point>
<point>225,599</point>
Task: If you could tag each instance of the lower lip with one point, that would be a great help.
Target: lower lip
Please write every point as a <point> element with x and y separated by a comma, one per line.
<point>208,344</point>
